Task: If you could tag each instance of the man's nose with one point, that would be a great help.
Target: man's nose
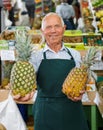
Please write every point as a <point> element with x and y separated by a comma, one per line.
<point>53,29</point>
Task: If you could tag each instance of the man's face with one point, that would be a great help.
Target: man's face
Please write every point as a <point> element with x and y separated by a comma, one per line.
<point>53,30</point>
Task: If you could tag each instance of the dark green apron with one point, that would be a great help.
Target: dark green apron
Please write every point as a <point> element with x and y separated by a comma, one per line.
<point>52,109</point>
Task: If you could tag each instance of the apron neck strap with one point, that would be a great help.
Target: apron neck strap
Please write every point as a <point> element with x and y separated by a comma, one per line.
<point>69,53</point>
<point>44,55</point>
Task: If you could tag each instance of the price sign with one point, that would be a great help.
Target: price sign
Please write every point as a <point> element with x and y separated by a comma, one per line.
<point>7,55</point>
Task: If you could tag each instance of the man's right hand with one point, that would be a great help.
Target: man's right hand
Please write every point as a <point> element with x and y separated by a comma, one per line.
<point>27,97</point>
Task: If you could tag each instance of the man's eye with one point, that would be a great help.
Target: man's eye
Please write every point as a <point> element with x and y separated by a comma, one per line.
<point>49,27</point>
<point>54,27</point>
<point>57,26</point>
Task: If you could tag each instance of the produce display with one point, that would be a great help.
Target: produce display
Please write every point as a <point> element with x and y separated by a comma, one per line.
<point>37,22</point>
<point>43,6</point>
<point>47,6</point>
<point>23,76</point>
<point>4,45</point>
<point>76,80</point>
<point>98,8</point>
<point>97,3</point>
<point>100,88</point>
<point>38,9</point>
<point>92,39</point>
<point>8,35</point>
<point>87,17</point>
<point>72,39</point>
<point>36,39</point>
<point>78,40</point>
<point>73,36</point>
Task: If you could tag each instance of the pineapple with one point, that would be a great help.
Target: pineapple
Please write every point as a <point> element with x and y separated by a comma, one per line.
<point>7,66</point>
<point>23,76</point>
<point>76,80</point>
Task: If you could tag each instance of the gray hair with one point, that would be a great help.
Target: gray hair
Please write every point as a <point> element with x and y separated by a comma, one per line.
<point>50,14</point>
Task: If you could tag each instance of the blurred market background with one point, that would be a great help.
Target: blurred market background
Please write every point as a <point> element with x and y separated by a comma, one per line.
<point>89,32</point>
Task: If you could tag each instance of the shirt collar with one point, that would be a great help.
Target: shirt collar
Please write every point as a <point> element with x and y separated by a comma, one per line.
<point>64,3</point>
<point>47,48</point>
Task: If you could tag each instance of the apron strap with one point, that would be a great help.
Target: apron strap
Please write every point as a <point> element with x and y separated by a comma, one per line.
<point>68,51</point>
<point>44,55</point>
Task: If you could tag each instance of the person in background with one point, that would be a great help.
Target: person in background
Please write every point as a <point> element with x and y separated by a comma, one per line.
<point>30,6</point>
<point>76,6</point>
<point>11,12</point>
<point>5,6</point>
<point>9,6</point>
<point>70,2</point>
<point>78,15</point>
<point>52,109</point>
<point>67,12</point>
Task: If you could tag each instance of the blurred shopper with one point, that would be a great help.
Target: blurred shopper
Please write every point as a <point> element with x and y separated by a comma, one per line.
<point>5,6</point>
<point>67,12</point>
<point>69,2</point>
<point>30,5</point>
<point>11,12</point>
<point>9,6</point>
<point>76,6</point>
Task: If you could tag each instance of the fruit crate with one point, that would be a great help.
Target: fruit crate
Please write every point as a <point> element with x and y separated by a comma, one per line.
<point>91,95</point>
<point>73,39</point>
<point>4,45</point>
<point>92,39</point>
<point>4,94</point>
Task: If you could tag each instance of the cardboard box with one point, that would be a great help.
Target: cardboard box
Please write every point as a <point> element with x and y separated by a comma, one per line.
<point>91,95</point>
<point>100,106</point>
<point>4,94</point>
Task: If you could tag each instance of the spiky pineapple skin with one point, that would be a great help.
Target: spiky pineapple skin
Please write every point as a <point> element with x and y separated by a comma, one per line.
<point>75,82</point>
<point>23,78</point>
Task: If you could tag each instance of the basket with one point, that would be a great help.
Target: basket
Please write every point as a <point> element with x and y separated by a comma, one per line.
<point>91,95</point>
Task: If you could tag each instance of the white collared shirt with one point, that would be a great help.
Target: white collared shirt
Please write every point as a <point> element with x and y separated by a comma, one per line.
<point>37,57</point>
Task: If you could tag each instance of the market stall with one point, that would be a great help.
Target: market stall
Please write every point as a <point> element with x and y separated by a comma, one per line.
<point>80,40</point>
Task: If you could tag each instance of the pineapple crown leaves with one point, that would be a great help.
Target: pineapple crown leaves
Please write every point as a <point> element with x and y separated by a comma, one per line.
<point>23,45</point>
<point>92,74</point>
<point>90,57</point>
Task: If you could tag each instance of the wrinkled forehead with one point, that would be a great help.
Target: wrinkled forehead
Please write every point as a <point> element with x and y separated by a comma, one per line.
<point>51,20</point>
